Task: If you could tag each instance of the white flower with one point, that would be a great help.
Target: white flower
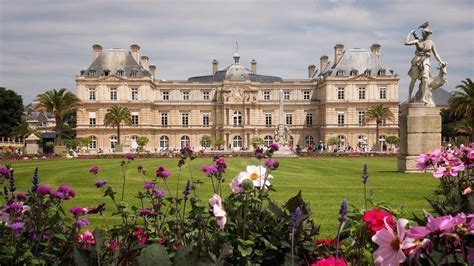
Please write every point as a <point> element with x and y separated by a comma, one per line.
<point>256,174</point>
<point>218,210</point>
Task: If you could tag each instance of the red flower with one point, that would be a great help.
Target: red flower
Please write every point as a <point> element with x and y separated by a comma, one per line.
<point>331,261</point>
<point>325,242</point>
<point>374,220</point>
<point>141,236</point>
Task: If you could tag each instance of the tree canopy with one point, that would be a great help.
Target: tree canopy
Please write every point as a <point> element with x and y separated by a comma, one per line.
<point>11,111</point>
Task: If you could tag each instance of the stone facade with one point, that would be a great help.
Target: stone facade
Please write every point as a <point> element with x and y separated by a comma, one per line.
<point>233,104</point>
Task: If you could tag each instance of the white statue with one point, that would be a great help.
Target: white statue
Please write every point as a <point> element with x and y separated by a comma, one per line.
<point>420,67</point>
<point>282,132</point>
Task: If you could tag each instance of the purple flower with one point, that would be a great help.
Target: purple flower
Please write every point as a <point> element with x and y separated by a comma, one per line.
<point>365,174</point>
<point>437,225</point>
<point>67,192</point>
<point>14,207</point>
<point>130,157</point>
<point>81,223</point>
<point>5,172</point>
<point>35,181</point>
<point>162,172</point>
<point>186,152</point>
<point>181,163</point>
<point>21,196</point>
<point>210,169</point>
<point>43,190</point>
<point>17,227</point>
<point>272,164</point>
<point>295,217</point>
<point>259,154</point>
<point>94,170</point>
<point>221,164</point>
<point>274,147</point>
<point>343,211</point>
<point>159,193</point>
<point>78,211</point>
<point>187,189</point>
<point>57,195</point>
<point>147,213</point>
<point>100,183</point>
<point>148,185</point>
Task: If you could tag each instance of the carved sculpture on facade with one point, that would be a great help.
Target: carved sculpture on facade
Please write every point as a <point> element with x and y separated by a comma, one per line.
<point>420,67</point>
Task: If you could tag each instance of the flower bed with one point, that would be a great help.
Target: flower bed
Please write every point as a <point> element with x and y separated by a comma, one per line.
<point>171,225</point>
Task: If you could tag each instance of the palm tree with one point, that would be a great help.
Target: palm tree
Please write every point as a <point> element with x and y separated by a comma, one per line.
<point>117,115</point>
<point>378,113</point>
<point>59,103</point>
<point>461,103</point>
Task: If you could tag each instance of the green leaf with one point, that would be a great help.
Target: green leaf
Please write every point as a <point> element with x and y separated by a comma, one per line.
<point>245,247</point>
<point>294,202</point>
<point>81,258</point>
<point>184,256</point>
<point>154,254</point>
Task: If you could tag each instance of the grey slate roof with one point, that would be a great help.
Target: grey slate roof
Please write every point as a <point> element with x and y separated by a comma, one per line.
<point>117,62</point>
<point>358,60</point>
<point>220,76</point>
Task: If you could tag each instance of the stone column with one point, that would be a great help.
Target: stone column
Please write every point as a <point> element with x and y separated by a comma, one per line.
<point>420,132</point>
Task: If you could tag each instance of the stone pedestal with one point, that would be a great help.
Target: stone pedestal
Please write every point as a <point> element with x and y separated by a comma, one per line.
<point>60,150</point>
<point>420,132</point>
<point>284,151</point>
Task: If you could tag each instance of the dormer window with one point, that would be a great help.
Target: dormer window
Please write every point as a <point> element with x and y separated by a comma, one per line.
<point>105,73</point>
<point>353,72</point>
<point>381,72</point>
<point>120,72</point>
<point>368,72</point>
<point>133,73</point>
<point>91,73</point>
<point>340,73</point>
<point>82,72</point>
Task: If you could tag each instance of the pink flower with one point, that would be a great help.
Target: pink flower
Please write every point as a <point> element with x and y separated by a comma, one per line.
<point>141,236</point>
<point>448,170</point>
<point>331,261</point>
<point>148,185</point>
<point>375,220</point>
<point>391,244</point>
<point>162,172</point>
<point>218,210</point>
<point>113,245</point>
<point>94,170</point>
<point>236,186</point>
<point>43,190</point>
<point>467,191</point>
<point>66,191</point>
<point>210,169</point>
<point>436,225</point>
<point>78,211</point>
<point>423,161</point>
<point>86,239</point>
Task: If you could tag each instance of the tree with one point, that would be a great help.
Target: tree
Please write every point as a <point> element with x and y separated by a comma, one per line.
<point>392,140</point>
<point>59,103</point>
<point>218,143</point>
<point>11,111</point>
<point>256,141</point>
<point>21,130</point>
<point>461,103</point>
<point>334,141</point>
<point>117,115</point>
<point>142,141</point>
<point>378,113</point>
<point>206,141</point>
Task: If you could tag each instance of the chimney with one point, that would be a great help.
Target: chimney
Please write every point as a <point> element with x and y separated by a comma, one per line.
<point>152,69</point>
<point>144,61</point>
<point>215,66</point>
<point>96,50</point>
<point>253,66</point>
<point>338,51</point>
<point>375,48</point>
<point>323,63</point>
<point>311,71</point>
<point>135,48</point>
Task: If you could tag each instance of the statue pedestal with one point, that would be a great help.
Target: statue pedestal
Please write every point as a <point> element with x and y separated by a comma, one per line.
<point>284,151</point>
<point>420,132</point>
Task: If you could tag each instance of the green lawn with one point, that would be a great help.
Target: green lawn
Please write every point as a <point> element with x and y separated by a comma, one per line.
<point>324,182</point>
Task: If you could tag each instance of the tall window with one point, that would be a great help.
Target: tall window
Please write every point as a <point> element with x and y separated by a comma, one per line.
<point>134,94</point>
<point>237,118</point>
<point>361,119</point>
<point>340,93</point>
<point>113,94</point>
<point>92,119</point>
<point>361,93</point>
<point>342,141</point>
<point>289,119</point>
<point>185,119</point>
<point>291,141</point>
<point>309,119</point>
<point>340,119</point>
<point>185,95</point>
<point>113,141</point>
<point>164,143</point>
<point>266,95</point>
<point>164,119</point>
<point>286,95</point>
<point>268,140</point>
<point>92,94</point>
<point>381,140</point>
<point>185,141</point>
<point>237,142</point>
<point>134,119</point>
<point>165,95</point>
<point>205,119</point>
<point>205,95</point>
<point>306,95</point>
<point>93,144</point>
<point>308,141</point>
<point>268,119</point>
<point>383,122</point>
<point>383,93</point>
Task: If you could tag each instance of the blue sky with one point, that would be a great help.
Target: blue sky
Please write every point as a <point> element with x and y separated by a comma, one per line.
<point>44,44</point>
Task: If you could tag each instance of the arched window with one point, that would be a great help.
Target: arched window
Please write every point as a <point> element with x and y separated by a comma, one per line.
<point>268,140</point>
<point>93,144</point>
<point>342,141</point>
<point>291,141</point>
<point>185,141</point>
<point>164,143</point>
<point>237,142</point>
<point>133,143</point>
<point>237,118</point>
<point>308,140</point>
<point>113,141</point>
<point>382,142</point>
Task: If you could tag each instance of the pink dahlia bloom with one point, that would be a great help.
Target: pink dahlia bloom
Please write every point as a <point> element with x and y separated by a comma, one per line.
<point>448,170</point>
<point>391,244</point>
<point>86,239</point>
<point>218,210</point>
<point>436,225</point>
<point>331,261</point>
<point>423,161</point>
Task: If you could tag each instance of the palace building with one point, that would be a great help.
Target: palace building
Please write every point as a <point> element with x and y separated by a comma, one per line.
<point>234,104</point>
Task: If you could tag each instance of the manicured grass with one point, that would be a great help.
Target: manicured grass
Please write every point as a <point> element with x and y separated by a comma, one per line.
<point>324,182</point>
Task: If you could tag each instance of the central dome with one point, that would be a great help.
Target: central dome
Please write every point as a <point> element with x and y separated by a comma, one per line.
<point>237,72</point>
